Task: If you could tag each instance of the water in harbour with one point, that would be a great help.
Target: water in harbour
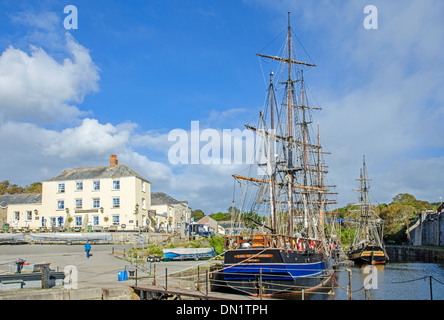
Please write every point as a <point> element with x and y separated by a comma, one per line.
<point>393,281</point>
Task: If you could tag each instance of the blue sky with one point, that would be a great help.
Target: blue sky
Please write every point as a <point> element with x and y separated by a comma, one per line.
<point>135,70</point>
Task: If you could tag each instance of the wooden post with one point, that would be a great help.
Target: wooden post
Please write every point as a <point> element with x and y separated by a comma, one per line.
<point>136,277</point>
<point>166,279</point>
<point>350,283</point>
<point>431,291</point>
<point>206,280</point>
<point>198,278</point>
<point>154,279</point>
<point>260,283</point>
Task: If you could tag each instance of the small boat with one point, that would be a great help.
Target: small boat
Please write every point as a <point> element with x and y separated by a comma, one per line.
<point>62,237</point>
<point>367,247</point>
<point>188,253</point>
<point>12,238</point>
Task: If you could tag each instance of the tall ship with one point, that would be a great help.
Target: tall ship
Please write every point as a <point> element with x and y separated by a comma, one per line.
<point>367,247</point>
<point>282,197</point>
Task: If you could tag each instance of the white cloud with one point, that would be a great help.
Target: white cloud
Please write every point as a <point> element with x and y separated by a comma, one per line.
<point>37,88</point>
<point>90,138</point>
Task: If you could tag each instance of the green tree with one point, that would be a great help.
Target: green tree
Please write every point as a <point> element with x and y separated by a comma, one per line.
<point>253,215</point>
<point>7,188</point>
<point>35,187</point>
<point>404,198</point>
<point>4,185</point>
<point>395,217</point>
<point>197,214</point>
<point>221,216</point>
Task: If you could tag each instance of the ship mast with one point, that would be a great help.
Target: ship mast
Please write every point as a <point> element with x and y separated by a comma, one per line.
<point>289,140</point>
<point>271,158</point>
<point>365,208</point>
<point>291,186</point>
<point>290,175</point>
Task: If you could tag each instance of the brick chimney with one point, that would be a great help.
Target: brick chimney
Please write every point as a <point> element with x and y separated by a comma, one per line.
<point>113,161</point>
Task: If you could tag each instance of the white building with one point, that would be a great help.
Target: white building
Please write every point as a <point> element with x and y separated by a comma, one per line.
<point>170,215</point>
<point>21,211</point>
<point>100,198</point>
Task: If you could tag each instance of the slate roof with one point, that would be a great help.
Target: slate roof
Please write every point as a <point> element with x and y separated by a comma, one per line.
<point>161,198</point>
<point>119,171</point>
<point>22,198</point>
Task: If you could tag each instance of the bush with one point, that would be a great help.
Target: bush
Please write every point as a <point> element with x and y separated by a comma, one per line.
<point>217,243</point>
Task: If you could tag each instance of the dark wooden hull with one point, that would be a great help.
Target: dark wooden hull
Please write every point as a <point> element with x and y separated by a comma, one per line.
<point>368,255</point>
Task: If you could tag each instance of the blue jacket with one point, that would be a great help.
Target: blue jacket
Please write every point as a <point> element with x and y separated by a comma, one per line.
<point>87,247</point>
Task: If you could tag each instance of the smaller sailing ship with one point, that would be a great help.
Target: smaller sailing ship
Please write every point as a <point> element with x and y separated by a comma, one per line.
<point>367,247</point>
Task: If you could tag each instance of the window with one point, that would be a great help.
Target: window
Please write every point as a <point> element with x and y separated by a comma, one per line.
<point>78,221</point>
<point>96,203</point>
<point>143,204</point>
<point>16,215</point>
<point>29,215</point>
<point>52,222</point>
<point>116,220</point>
<point>79,186</point>
<point>61,188</point>
<point>95,220</point>
<point>116,202</point>
<point>96,185</point>
<point>143,186</point>
<point>60,204</point>
<point>116,184</point>
<point>79,203</point>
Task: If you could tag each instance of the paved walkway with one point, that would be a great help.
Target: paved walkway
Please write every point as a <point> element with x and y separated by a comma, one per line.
<point>99,271</point>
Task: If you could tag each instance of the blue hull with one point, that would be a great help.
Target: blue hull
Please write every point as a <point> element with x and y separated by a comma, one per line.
<point>278,271</point>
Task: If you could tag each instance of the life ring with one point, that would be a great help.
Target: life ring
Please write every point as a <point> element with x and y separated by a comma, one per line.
<point>299,244</point>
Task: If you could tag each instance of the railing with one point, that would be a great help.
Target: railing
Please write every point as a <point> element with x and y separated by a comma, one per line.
<point>272,241</point>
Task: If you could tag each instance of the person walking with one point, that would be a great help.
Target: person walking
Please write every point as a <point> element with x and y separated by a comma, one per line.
<point>87,249</point>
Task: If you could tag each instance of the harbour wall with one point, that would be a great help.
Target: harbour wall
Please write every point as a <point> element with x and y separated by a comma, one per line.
<point>412,253</point>
<point>426,230</point>
<point>70,294</point>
